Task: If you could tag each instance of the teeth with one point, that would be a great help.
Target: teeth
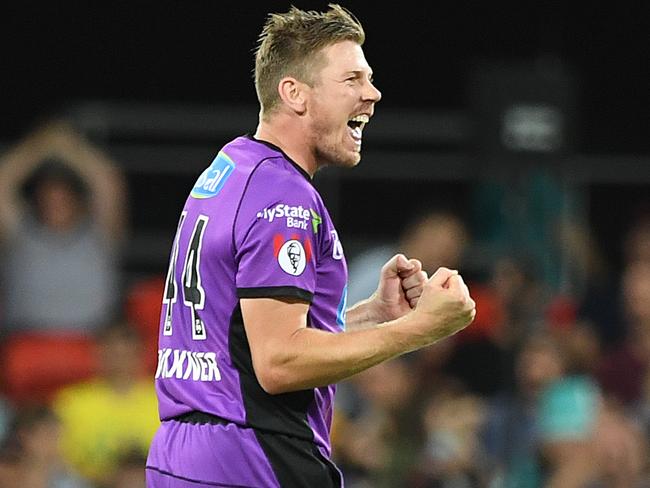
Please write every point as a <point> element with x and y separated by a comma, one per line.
<point>364,119</point>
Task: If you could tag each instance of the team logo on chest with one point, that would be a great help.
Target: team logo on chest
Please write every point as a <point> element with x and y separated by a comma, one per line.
<point>292,254</point>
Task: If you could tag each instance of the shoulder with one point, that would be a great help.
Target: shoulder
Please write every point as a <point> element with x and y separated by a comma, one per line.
<point>277,182</point>
<point>260,167</point>
<point>276,174</point>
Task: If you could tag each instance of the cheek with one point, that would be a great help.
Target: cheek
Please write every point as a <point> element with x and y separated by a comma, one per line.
<point>332,106</point>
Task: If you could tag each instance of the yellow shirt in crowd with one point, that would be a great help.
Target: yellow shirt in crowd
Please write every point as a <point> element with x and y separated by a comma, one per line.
<point>100,424</point>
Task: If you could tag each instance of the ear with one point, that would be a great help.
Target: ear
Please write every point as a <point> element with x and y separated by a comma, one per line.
<point>293,94</point>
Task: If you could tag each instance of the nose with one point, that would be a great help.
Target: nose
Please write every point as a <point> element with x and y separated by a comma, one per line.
<point>372,93</point>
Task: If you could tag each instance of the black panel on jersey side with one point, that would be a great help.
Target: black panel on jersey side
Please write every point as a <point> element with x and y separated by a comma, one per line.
<point>285,413</point>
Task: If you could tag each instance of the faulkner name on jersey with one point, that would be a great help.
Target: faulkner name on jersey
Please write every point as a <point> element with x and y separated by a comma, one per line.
<point>192,365</point>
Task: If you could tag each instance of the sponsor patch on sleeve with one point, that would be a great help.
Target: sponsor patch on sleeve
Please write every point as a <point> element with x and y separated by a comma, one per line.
<point>214,177</point>
<point>292,257</point>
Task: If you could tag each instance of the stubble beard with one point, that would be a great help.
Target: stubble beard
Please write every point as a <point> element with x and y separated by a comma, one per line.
<point>330,152</point>
<point>337,157</point>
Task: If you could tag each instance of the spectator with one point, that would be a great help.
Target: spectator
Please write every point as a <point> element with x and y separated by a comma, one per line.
<point>376,433</point>
<point>130,471</point>
<point>600,305</point>
<point>532,209</point>
<point>31,457</point>
<point>62,216</point>
<point>509,309</point>
<point>603,305</point>
<point>516,284</point>
<point>623,370</point>
<point>620,451</point>
<point>111,415</point>
<point>568,412</point>
<point>451,456</point>
<point>509,435</point>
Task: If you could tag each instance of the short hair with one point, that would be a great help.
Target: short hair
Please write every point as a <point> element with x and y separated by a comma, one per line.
<point>290,45</point>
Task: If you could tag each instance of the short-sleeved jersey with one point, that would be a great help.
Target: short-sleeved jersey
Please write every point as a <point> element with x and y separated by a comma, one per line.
<point>253,226</point>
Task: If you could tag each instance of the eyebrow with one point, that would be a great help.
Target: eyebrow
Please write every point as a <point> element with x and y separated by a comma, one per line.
<point>358,72</point>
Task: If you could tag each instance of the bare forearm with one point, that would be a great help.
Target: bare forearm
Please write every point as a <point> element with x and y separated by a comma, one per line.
<point>15,168</point>
<point>289,356</point>
<point>316,358</point>
<point>360,316</point>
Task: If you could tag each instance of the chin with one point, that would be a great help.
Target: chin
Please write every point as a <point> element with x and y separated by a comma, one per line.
<point>350,159</point>
<point>341,158</point>
<point>347,162</point>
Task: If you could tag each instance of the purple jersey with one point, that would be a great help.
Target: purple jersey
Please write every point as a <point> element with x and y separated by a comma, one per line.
<point>253,226</point>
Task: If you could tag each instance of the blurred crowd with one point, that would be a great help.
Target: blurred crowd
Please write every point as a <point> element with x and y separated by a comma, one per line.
<point>77,341</point>
<point>548,388</point>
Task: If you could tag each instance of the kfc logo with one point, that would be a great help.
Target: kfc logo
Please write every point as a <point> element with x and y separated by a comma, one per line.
<point>292,257</point>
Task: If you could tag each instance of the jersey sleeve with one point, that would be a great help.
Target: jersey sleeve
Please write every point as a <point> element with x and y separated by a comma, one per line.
<point>274,237</point>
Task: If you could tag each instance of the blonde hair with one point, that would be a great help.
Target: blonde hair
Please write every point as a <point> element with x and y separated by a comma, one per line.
<point>290,45</point>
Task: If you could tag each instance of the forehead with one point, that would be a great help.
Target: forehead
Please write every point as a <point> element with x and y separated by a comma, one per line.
<point>345,56</point>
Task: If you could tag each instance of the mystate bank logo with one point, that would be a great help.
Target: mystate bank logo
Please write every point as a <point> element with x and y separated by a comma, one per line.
<point>296,217</point>
<point>292,254</point>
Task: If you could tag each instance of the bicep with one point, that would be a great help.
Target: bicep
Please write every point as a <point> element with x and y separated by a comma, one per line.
<point>270,324</point>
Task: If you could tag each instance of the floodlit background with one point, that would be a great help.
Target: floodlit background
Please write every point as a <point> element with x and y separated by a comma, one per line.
<point>511,142</point>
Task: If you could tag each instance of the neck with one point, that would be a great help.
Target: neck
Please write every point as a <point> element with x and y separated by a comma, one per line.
<point>289,136</point>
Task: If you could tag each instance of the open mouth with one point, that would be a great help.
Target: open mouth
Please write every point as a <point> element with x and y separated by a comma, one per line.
<point>356,125</point>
